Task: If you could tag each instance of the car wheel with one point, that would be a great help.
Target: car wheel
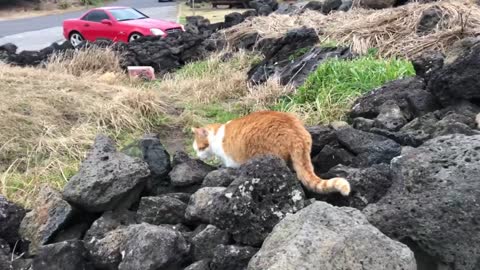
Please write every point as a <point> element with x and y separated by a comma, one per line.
<point>134,36</point>
<point>76,39</point>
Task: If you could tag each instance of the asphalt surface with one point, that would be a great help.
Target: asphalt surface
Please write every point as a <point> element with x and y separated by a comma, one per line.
<point>39,32</point>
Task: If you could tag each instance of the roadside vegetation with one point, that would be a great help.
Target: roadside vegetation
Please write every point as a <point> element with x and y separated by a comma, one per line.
<point>328,93</point>
<point>51,115</point>
<point>50,118</point>
<point>394,32</point>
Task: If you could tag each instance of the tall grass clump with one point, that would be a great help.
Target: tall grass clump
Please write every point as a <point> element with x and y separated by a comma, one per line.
<point>85,62</point>
<point>219,78</point>
<point>50,119</point>
<point>394,31</point>
<point>328,93</point>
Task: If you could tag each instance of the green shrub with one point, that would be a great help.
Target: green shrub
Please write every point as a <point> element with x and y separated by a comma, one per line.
<point>328,92</point>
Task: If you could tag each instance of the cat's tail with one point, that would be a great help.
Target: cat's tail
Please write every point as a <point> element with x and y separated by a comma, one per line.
<point>303,166</point>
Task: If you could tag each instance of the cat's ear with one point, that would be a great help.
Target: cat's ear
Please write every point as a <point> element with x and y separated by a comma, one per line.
<point>202,132</point>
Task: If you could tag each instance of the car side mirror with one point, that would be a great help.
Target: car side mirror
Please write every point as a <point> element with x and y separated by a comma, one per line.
<point>107,22</point>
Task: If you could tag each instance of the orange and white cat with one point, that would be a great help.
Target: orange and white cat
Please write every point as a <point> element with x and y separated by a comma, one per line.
<point>261,133</point>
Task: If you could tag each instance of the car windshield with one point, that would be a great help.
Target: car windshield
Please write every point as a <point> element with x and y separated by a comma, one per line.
<point>127,14</point>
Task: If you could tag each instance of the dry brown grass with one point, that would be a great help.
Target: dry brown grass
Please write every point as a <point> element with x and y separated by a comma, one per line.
<point>261,97</point>
<point>49,119</point>
<point>212,80</point>
<point>216,80</point>
<point>85,62</point>
<point>392,31</point>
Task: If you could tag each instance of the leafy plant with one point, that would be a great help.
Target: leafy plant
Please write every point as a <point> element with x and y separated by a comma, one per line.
<point>329,91</point>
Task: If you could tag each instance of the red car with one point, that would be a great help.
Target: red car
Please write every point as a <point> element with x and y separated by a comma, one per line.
<point>117,24</point>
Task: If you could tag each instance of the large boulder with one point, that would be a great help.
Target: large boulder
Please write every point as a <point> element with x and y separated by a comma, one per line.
<point>408,94</point>
<point>331,5</point>
<point>161,210</point>
<point>200,265</point>
<point>109,221</point>
<point>390,117</point>
<point>427,63</point>
<point>307,240</point>
<point>278,51</point>
<point>68,255</point>
<point>10,48</point>
<point>458,80</point>
<point>457,119</point>
<point>141,246</point>
<point>433,203</point>
<point>34,58</point>
<point>11,216</point>
<point>231,257</point>
<point>107,179</point>
<point>153,247</point>
<point>201,207</point>
<point>264,7</point>
<point>321,136</point>
<point>107,252</point>
<point>150,149</point>
<point>330,156</point>
<point>166,54</point>
<point>368,148</point>
<point>219,178</point>
<point>188,172</point>
<point>233,18</point>
<point>264,191</point>
<point>5,260</point>
<point>368,185</point>
<point>429,20</point>
<point>205,241</point>
<point>48,217</point>
<point>301,66</point>
<point>377,4</point>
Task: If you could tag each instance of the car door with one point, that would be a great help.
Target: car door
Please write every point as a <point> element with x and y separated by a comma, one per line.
<point>93,28</point>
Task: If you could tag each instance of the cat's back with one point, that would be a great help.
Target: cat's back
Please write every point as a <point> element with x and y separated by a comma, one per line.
<point>262,120</point>
<point>264,132</point>
<point>265,124</point>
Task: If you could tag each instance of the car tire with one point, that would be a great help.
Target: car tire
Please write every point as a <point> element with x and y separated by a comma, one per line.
<point>134,36</point>
<point>76,38</point>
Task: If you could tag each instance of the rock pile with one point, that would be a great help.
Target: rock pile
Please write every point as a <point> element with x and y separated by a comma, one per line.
<point>328,6</point>
<point>124,212</point>
<point>8,54</point>
<point>428,196</point>
<point>411,156</point>
<point>290,58</point>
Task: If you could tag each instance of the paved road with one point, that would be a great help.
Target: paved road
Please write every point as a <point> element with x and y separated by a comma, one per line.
<point>39,32</point>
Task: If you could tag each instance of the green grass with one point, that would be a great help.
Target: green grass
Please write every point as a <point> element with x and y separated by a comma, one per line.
<point>329,44</point>
<point>328,93</point>
<point>182,20</point>
<point>197,69</point>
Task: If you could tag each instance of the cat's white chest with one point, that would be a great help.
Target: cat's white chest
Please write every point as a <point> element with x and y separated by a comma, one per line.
<point>217,148</point>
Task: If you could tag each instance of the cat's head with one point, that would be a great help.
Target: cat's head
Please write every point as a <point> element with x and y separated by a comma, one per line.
<point>201,143</point>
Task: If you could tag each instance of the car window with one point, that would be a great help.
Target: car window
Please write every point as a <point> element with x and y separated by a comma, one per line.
<point>96,16</point>
<point>127,14</point>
